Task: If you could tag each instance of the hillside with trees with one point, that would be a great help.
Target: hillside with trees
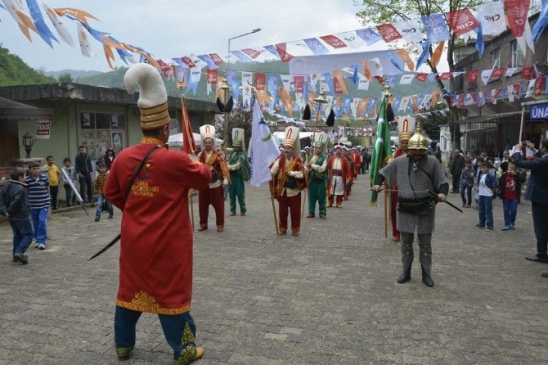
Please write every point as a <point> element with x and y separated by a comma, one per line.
<point>14,71</point>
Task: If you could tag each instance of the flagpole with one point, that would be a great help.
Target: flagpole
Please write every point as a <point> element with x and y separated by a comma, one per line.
<point>188,144</point>
<point>385,210</point>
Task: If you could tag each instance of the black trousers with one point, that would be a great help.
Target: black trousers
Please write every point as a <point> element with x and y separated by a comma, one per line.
<point>540,224</point>
<point>85,185</point>
<point>53,191</point>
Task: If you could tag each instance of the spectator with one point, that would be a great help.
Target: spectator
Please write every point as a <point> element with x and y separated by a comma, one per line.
<point>38,185</point>
<point>82,165</point>
<point>456,169</point>
<point>71,173</point>
<point>14,205</point>
<point>54,175</point>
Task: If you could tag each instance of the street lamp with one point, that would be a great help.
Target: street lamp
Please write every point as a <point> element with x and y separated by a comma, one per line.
<point>226,87</point>
<point>28,142</point>
<point>239,36</point>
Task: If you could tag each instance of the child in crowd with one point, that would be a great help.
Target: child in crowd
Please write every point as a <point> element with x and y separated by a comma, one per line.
<point>510,191</point>
<point>53,176</point>
<point>487,184</point>
<point>71,173</point>
<point>99,185</point>
<point>38,185</point>
<point>466,183</point>
<point>14,205</point>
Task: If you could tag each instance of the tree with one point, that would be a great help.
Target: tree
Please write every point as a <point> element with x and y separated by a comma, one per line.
<point>66,78</point>
<point>389,11</point>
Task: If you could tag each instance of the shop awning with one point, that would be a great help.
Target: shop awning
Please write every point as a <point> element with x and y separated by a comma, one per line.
<point>12,110</point>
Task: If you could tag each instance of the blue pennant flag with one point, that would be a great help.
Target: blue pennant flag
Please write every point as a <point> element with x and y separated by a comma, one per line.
<point>424,54</point>
<point>316,46</point>
<point>39,22</point>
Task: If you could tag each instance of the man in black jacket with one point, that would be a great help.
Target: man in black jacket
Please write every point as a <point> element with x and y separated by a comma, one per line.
<point>456,170</point>
<point>82,165</point>
<point>14,205</point>
<point>537,193</point>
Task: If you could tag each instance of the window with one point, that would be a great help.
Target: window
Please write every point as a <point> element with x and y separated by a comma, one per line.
<point>495,56</point>
<point>517,55</point>
<point>99,131</point>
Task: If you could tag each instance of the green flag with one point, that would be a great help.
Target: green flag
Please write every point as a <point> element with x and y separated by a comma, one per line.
<point>381,149</point>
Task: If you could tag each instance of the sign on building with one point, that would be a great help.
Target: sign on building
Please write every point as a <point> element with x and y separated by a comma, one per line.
<point>539,111</point>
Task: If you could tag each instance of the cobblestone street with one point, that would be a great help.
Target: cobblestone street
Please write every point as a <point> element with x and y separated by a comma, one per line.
<point>328,296</point>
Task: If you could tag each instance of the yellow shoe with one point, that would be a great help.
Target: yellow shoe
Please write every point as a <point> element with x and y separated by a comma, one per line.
<point>199,353</point>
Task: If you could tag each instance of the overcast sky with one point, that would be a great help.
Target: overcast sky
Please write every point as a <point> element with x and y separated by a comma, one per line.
<point>169,28</point>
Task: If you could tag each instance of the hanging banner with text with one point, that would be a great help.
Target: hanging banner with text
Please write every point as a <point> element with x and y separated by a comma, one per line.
<point>44,129</point>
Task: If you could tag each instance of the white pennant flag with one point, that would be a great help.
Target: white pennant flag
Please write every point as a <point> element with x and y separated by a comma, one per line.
<point>263,150</point>
<point>286,82</point>
<point>511,96</point>
<point>530,88</point>
<point>363,83</point>
<point>406,79</point>
<point>485,76</point>
<point>511,71</point>
<point>492,18</point>
<point>83,39</point>
<point>354,106</point>
<point>247,85</point>
<point>410,31</point>
<point>468,100</point>
<point>404,103</point>
<point>351,39</point>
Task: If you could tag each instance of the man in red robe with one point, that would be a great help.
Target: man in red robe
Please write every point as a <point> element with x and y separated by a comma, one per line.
<point>357,157</point>
<point>288,179</point>
<point>340,175</point>
<point>220,177</point>
<point>156,253</point>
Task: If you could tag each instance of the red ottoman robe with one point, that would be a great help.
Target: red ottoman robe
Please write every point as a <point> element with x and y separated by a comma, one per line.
<point>156,252</point>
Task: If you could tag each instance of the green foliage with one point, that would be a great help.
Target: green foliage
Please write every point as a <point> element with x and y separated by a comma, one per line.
<point>14,71</point>
<point>66,78</point>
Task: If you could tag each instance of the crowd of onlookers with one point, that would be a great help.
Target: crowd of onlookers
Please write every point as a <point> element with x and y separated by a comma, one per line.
<point>29,195</point>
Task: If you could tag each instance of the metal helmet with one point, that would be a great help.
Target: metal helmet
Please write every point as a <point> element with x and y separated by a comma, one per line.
<point>418,141</point>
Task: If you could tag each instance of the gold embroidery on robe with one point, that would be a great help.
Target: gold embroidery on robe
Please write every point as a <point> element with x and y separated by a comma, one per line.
<point>144,302</point>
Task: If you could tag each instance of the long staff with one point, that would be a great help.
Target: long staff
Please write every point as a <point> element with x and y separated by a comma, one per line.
<point>385,211</point>
<point>271,186</point>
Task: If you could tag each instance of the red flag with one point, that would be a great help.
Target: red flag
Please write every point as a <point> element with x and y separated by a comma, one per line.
<point>461,21</point>
<point>260,81</point>
<point>516,11</point>
<point>253,53</point>
<point>388,32</point>
<point>421,77</point>
<point>472,76</point>
<point>298,84</point>
<point>498,73</point>
<point>215,57</point>
<point>333,41</point>
<point>189,144</point>
<point>212,77</point>
<point>444,76</point>
<point>527,73</point>
<point>284,56</point>
<point>188,61</point>
<point>539,85</point>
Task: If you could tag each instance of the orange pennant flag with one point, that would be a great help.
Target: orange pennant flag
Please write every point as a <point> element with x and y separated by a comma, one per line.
<point>286,99</point>
<point>406,58</point>
<point>435,98</point>
<point>81,15</point>
<point>109,56</point>
<point>338,81</point>
<point>366,70</point>
<point>435,59</point>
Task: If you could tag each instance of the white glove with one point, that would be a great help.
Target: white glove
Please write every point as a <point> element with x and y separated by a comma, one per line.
<point>315,167</point>
<point>292,173</point>
<point>225,182</point>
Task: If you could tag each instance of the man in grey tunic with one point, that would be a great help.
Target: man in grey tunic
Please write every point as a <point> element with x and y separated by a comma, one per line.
<point>414,174</point>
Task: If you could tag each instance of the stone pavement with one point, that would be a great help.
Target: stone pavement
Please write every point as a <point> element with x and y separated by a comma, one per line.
<point>328,296</point>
